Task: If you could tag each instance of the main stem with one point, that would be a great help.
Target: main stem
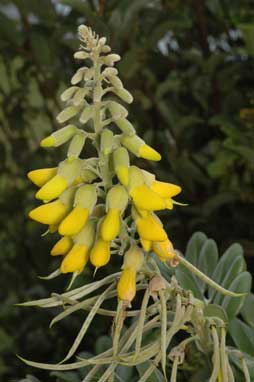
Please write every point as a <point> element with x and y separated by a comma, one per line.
<point>103,159</point>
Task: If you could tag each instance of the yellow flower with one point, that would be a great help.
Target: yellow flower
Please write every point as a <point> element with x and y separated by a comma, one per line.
<point>126,287</point>
<point>74,221</point>
<point>52,189</point>
<point>62,246</point>
<point>75,260</point>
<point>110,225</point>
<point>51,213</point>
<point>146,199</point>
<point>164,250</point>
<point>165,190</point>
<point>100,253</point>
<point>150,228</point>
<point>41,176</point>
<point>146,244</point>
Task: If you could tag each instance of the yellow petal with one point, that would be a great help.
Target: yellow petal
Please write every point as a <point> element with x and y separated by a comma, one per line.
<point>164,250</point>
<point>52,189</point>
<point>165,190</point>
<point>150,229</point>
<point>126,287</point>
<point>74,221</point>
<point>146,199</point>
<point>111,225</point>
<point>62,246</point>
<point>148,152</point>
<point>41,176</point>
<point>75,260</point>
<point>100,253</point>
<point>50,213</point>
<point>123,175</point>
<point>146,244</point>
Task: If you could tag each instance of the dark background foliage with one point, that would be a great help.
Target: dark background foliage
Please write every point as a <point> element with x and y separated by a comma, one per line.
<point>189,65</point>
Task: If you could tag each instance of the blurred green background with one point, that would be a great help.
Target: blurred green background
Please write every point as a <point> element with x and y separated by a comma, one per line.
<point>189,65</point>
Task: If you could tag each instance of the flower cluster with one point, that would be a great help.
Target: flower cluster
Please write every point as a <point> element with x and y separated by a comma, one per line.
<point>98,204</point>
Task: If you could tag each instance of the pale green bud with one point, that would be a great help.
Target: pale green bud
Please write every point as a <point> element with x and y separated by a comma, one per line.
<point>67,114</point>
<point>136,178</point>
<point>89,74</point>
<point>79,96</point>
<point>88,176</point>
<point>67,197</point>
<point>109,72</point>
<point>86,197</point>
<point>116,82</point>
<point>68,93</point>
<point>87,114</point>
<point>69,170</point>
<point>124,95</point>
<point>102,41</point>
<point>132,143</point>
<point>106,49</point>
<point>110,59</point>
<point>78,76</point>
<point>125,126</point>
<point>117,198</point>
<point>107,140</point>
<point>81,55</point>
<point>133,258</point>
<point>87,235</point>
<point>76,145</point>
<point>59,137</point>
<point>117,110</point>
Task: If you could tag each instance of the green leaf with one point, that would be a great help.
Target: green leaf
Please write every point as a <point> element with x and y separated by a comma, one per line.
<point>102,344</point>
<point>69,376</point>
<point>238,265</point>
<point>247,310</point>
<point>213,310</point>
<point>232,305</point>
<point>194,246</point>
<point>242,335</point>
<point>235,250</point>
<point>207,259</point>
<point>156,376</point>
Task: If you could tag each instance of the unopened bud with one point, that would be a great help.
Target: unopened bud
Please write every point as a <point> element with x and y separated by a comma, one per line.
<point>67,113</point>
<point>102,41</point>
<point>76,145</point>
<point>121,165</point>
<point>87,234</point>
<point>117,110</point>
<point>59,137</point>
<point>133,258</point>
<point>69,170</point>
<point>78,76</point>
<point>116,82</point>
<point>106,49</point>
<point>136,178</point>
<point>109,72</point>
<point>87,114</point>
<point>117,198</point>
<point>81,55</point>
<point>79,96</point>
<point>125,126</point>
<point>124,95</point>
<point>100,253</point>
<point>86,197</point>
<point>107,139</point>
<point>68,93</point>
<point>138,147</point>
<point>110,59</point>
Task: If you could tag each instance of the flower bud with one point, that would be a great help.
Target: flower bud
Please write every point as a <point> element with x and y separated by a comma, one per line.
<point>110,59</point>
<point>125,126</point>
<point>100,253</point>
<point>126,287</point>
<point>79,96</point>
<point>88,176</point>
<point>139,148</point>
<point>136,178</point>
<point>59,137</point>
<point>106,49</point>
<point>86,235</point>
<point>76,145</point>
<point>164,250</point>
<point>116,82</point>
<point>133,258</point>
<point>52,189</point>
<point>78,76</point>
<point>87,114</point>
<point>67,113</point>
<point>121,165</point>
<point>117,110</point>
<point>102,41</point>
<point>110,225</point>
<point>69,93</point>
<point>109,72</point>
<point>107,139</point>
<point>81,55</point>
<point>51,213</point>
<point>61,247</point>
<point>149,228</point>
<point>41,176</point>
<point>146,199</point>
<point>124,95</point>
<point>117,198</point>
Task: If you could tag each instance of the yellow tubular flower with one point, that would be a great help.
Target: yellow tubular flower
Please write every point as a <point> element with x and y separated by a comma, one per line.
<point>111,225</point>
<point>164,250</point>
<point>51,213</point>
<point>100,253</point>
<point>165,190</point>
<point>149,228</point>
<point>52,189</point>
<point>146,244</point>
<point>146,199</point>
<point>149,153</point>
<point>61,247</point>
<point>126,287</point>
<point>41,176</point>
<point>74,221</point>
<point>75,260</point>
